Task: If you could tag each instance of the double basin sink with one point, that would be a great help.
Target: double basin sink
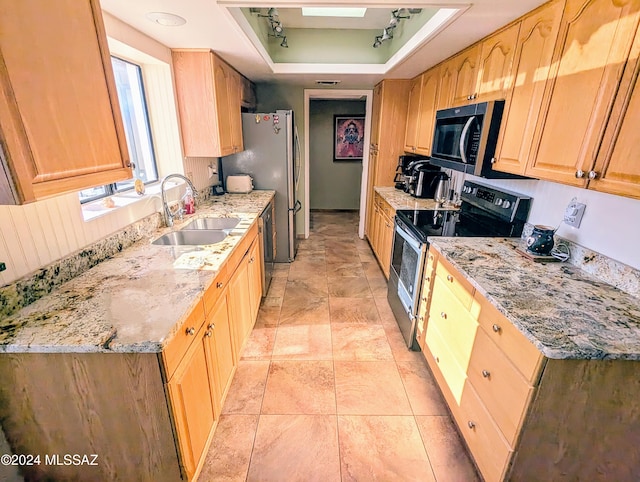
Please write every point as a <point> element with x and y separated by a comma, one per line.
<point>199,232</point>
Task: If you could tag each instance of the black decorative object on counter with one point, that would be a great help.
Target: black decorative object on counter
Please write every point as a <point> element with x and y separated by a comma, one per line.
<point>541,240</point>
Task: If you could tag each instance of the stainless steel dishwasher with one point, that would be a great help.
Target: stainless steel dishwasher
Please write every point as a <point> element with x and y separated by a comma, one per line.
<point>265,227</point>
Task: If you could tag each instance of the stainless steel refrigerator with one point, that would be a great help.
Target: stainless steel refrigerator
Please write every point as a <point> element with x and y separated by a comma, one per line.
<point>271,157</point>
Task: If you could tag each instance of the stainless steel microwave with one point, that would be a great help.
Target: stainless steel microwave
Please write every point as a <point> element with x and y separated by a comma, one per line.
<point>465,137</point>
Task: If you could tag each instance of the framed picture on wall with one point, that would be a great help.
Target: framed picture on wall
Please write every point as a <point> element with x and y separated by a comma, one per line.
<point>348,137</point>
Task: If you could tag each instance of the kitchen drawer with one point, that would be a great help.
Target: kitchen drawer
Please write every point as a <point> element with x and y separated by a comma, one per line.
<point>453,320</point>
<point>524,355</point>
<point>459,286</point>
<point>489,448</point>
<point>215,289</point>
<point>186,334</point>
<point>445,362</point>
<point>503,390</point>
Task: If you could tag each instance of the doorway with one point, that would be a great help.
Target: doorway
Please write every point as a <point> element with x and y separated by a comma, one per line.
<point>337,95</point>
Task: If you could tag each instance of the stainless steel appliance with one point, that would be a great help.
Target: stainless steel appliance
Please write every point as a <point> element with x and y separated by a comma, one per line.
<point>485,211</point>
<point>423,179</point>
<point>271,157</point>
<point>403,172</point>
<point>465,137</point>
<point>265,228</point>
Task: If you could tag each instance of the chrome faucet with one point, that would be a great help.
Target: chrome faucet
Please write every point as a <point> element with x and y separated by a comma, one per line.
<point>168,215</point>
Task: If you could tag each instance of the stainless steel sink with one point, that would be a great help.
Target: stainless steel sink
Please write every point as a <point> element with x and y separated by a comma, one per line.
<point>212,223</point>
<point>191,237</point>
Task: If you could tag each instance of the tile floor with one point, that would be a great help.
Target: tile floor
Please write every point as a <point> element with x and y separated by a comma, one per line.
<point>326,389</point>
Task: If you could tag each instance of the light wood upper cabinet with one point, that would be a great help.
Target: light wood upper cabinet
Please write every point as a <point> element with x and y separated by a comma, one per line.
<point>589,58</point>
<point>61,127</point>
<point>413,115</point>
<point>465,70</point>
<point>532,61</point>
<point>209,98</point>
<point>446,85</point>
<point>496,59</point>
<point>428,107</point>
<point>617,169</point>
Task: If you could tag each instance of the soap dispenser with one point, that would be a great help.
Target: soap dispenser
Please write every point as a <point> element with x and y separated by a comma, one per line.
<point>189,202</point>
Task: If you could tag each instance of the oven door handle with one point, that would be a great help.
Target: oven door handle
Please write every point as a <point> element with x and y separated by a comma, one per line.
<point>414,243</point>
<point>463,139</point>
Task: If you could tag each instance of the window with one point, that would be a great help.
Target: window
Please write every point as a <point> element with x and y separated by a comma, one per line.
<point>136,125</point>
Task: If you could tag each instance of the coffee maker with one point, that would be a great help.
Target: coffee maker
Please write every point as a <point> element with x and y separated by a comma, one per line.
<point>423,179</point>
<point>403,171</point>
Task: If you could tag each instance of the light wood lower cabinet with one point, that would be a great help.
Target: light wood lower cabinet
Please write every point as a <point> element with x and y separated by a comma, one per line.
<point>381,232</point>
<point>521,414</point>
<point>148,416</point>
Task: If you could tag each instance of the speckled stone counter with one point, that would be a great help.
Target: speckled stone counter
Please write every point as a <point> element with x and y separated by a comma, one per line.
<point>401,200</point>
<point>133,301</point>
<point>565,312</point>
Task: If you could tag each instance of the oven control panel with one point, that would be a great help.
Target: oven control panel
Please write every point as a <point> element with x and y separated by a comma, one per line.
<point>504,204</point>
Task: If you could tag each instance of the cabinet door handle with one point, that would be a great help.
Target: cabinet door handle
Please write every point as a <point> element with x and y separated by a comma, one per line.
<point>450,278</point>
<point>191,331</point>
<point>496,328</point>
<point>493,160</point>
<point>593,174</point>
<point>486,373</point>
<point>443,315</point>
<point>424,298</point>
<point>211,326</point>
<point>471,424</point>
<point>208,333</point>
<point>219,284</point>
<point>437,359</point>
<point>579,174</point>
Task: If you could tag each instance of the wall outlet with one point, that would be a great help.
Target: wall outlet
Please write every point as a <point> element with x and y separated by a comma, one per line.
<point>573,213</point>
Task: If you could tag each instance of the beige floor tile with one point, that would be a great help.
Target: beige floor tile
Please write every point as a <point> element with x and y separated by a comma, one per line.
<point>296,448</point>
<point>343,287</point>
<point>370,388</point>
<point>269,313</point>
<point>353,310</point>
<point>247,388</point>
<point>399,346</point>
<point>260,344</point>
<point>300,387</point>
<point>382,448</point>
<point>306,268</point>
<point>339,255</point>
<point>449,458</point>
<point>359,342</point>
<point>276,287</point>
<point>310,287</point>
<point>424,395</point>
<point>230,450</point>
<point>304,311</point>
<point>303,342</point>
<point>344,268</point>
<point>280,270</point>
<point>366,256</point>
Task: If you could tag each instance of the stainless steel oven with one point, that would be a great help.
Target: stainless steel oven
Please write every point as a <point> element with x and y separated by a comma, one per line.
<point>486,212</point>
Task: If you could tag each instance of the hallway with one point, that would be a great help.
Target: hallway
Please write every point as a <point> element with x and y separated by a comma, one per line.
<point>326,389</point>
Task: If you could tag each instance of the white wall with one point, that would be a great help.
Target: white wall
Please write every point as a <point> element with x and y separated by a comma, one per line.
<point>611,224</point>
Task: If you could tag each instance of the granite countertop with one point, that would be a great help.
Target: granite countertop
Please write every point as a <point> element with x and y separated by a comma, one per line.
<point>565,312</point>
<point>401,200</point>
<point>133,301</point>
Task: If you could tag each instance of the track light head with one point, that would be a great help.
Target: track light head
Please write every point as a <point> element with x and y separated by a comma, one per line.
<point>284,43</point>
<point>273,12</point>
<point>387,34</point>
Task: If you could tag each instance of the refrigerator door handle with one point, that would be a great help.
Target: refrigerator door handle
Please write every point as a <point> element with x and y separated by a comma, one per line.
<point>296,207</point>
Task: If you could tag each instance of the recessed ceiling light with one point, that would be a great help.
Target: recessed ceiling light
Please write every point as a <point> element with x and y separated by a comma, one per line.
<point>333,12</point>
<point>166,19</point>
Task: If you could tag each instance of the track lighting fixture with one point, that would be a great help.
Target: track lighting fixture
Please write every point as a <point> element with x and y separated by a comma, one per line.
<point>277,29</point>
<point>396,15</point>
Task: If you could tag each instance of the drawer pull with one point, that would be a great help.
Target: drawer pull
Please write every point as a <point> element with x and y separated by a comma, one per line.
<point>471,424</point>
<point>431,257</point>
<point>191,331</point>
<point>211,326</point>
<point>486,373</point>
<point>208,333</point>
<point>437,359</point>
<point>422,318</point>
<point>424,298</point>
<point>496,328</point>
<point>443,315</point>
<point>450,278</point>
<point>428,279</point>
<point>219,284</point>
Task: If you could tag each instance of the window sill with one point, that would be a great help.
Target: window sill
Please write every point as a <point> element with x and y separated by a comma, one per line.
<point>101,207</point>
